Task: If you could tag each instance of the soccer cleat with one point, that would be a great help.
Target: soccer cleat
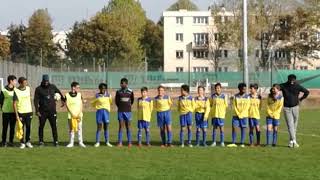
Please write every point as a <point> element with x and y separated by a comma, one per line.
<point>190,145</point>
<point>163,146</point>
<point>119,145</point>
<point>213,144</point>
<point>296,145</point>
<point>22,146</point>
<point>29,145</point>
<point>108,144</point>
<point>82,145</point>
<point>232,145</point>
<point>182,145</point>
<point>252,145</point>
<point>56,144</point>
<point>274,145</point>
<point>222,144</point>
<point>290,145</point>
<point>242,145</point>
<point>129,145</point>
<point>139,145</point>
<point>70,145</point>
<point>149,145</point>
<point>198,145</point>
<point>97,144</point>
<point>41,144</point>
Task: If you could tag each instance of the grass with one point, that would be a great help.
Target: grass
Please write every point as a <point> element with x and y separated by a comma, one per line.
<point>170,163</point>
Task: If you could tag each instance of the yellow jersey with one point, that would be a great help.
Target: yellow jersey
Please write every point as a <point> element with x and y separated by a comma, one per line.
<point>102,101</point>
<point>274,107</point>
<point>74,104</point>
<point>202,105</point>
<point>218,106</point>
<point>241,105</point>
<point>185,104</point>
<point>163,103</point>
<point>145,107</point>
<point>255,103</point>
<point>23,98</point>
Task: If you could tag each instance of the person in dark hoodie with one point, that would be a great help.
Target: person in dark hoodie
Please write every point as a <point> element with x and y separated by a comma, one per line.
<point>45,106</point>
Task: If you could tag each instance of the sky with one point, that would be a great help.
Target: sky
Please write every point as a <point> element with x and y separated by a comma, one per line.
<point>65,12</point>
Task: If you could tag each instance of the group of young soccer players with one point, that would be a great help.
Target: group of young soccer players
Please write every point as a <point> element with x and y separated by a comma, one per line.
<point>200,109</point>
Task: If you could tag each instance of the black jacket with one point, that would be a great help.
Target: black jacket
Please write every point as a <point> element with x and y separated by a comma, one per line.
<point>124,100</point>
<point>44,98</point>
<point>291,94</point>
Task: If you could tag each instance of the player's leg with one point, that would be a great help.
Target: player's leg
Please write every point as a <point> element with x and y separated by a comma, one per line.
<point>80,135</point>
<point>5,124</point>
<point>28,119</point>
<point>71,133</point>
<point>251,129</point>
<point>258,133</point>
<point>121,127</point>
<point>269,130</point>
<point>221,127</point>
<point>243,126</point>
<point>12,128</point>
<point>235,125</point>
<point>53,124</point>
<point>147,131</point>
<point>42,123</point>
<point>168,128</point>
<point>189,127</point>
<point>139,134</point>
<point>128,128</point>
<point>275,126</point>
<point>99,128</point>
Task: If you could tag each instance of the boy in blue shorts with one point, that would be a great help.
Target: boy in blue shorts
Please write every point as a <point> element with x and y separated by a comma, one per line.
<point>102,103</point>
<point>254,114</point>
<point>124,100</point>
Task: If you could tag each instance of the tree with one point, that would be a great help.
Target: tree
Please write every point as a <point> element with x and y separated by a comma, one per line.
<point>17,38</point>
<point>39,39</point>
<point>4,47</point>
<point>183,4</point>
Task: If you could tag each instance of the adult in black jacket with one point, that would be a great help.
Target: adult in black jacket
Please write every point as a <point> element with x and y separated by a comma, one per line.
<point>45,106</point>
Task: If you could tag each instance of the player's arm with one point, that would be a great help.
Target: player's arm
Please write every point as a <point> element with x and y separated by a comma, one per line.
<point>36,101</point>
<point>151,106</point>
<point>234,103</point>
<point>193,105</point>
<point>81,107</point>
<point>226,102</point>
<point>117,98</point>
<point>56,90</point>
<point>1,99</point>
<point>304,91</point>
<point>207,110</point>
<point>279,106</point>
<point>110,100</point>
<point>170,101</point>
<point>132,98</point>
<point>15,100</point>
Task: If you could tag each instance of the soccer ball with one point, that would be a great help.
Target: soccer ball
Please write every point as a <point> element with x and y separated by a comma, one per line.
<point>57,96</point>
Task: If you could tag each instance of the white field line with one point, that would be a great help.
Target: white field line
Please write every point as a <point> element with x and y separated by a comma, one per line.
<point>300,134</point>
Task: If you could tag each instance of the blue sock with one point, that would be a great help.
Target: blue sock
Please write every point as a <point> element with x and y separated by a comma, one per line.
<point>148,136</point>
<point>163,137</point>
<point>204,137</point>
<point>189,136</point>
<point>243,135</point>
<point>275,137</point>
<point>98,136</point>
<point>129,136</point>
<point>214,135</point>
<point>139,136</point>
<point>268,137</point>
<point>120,136</point>
<point>221,137</point>
<point>234,136</point>
<point>181,137</point>
<point>106,135</point>
<point>258,137</point>
<point>169,134</point>
<point>197,137</point>
<point>250,137</point>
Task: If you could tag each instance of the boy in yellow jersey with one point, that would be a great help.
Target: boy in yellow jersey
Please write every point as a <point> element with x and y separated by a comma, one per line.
<point>185,108</point>
<point>75,115</point>
<point>274,108</point>
<point>241,105</point>
<point>102,103</point>
<point>254,114</point>
<point>202,110</point>
<point>145,106</point>
<point>23,109</point>
<point>219,105</point>
<point>162,105</point>
<point>8,115</point>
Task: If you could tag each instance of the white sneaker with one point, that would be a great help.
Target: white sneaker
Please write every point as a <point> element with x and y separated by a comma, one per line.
<point>190,145</point>
<point>213,144</point>
<point>22,146</point>
<point>290,145</point>
<point>222,145</point>
<point>182,145</point>
<point>82,145</point>
<point>29,145</point>
<point>70,145</point>
<point>97,144</point>
<point>242,145</point>
<point>108,144</point>
<point>295,144</point>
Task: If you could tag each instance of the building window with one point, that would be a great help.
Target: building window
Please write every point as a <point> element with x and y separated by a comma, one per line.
<point>179,69</point>
<point>257,53</point>
<point>200,39</point>
<point>216,35</point>
<point>201,20</point>
<point>225,53</point>
<point>303,35</point>
<point>200,69</point>
<point>200,54</point>
<point>179,54</point>
<point>219,69</point>
<point>179,37</point>
<point>318,68</point>
<point>225,69</point>
<point>303,67</point>
<point>179,20</point>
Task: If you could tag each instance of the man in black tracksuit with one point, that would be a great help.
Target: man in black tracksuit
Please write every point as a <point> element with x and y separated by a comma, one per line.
<point>45,106</point>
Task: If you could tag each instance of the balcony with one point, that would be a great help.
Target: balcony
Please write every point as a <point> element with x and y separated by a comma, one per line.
<point>200,45</point>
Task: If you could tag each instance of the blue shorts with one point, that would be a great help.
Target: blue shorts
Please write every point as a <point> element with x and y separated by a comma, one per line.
<point>200,122</point>
<point>102,116</point>
<point>253,122</point>
<point>241,123</point>
<point>124,116</point>
<point>143,124</point>
<point>273,122</point>
<point>217,122</point>
<point>163,118</point>
<point>186,119</point>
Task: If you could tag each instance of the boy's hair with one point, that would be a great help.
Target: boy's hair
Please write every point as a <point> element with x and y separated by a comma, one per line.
<point>74,84</point>
<point>103,85</point>
<point>201,87</point>
<point>11,78</point>
<point>217,84</point>
<point>241,85</point>
<point>185,88</point>
<point>276,86</point>
<point>161,87</point>
<point>124,80</point>
<point>271,95</point>
<point>21,79</point>
<point>254,85</point>
<point>292,77</point>
<point>144,89</point>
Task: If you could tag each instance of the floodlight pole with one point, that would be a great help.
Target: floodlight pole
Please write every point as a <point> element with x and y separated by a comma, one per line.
<point>245,44</point>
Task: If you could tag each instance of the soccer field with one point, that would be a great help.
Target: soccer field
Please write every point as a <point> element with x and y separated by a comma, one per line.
<point>164,163</point>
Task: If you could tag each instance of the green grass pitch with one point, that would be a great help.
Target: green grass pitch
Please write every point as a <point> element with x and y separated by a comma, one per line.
<point>164,163</point>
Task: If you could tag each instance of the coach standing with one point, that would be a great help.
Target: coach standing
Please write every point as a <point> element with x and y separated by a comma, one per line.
<point>291,91</point>
<point>45,106</point>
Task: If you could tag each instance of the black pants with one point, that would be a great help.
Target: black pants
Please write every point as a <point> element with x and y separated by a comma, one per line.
<point>52,117</point>
<point>8,119</point>
<point>26,121</point>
